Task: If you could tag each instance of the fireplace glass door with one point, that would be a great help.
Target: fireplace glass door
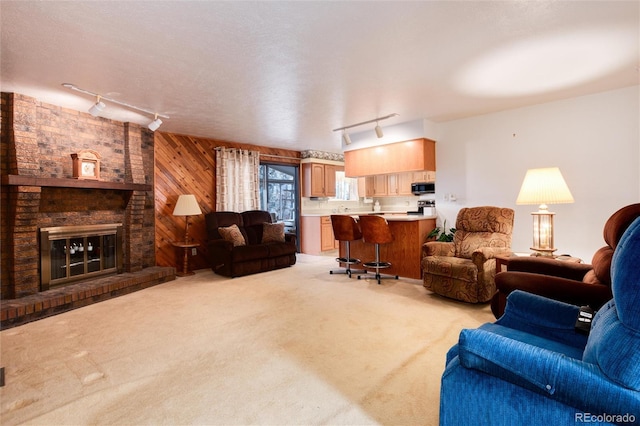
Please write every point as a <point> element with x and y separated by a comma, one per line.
<point>70,253</point>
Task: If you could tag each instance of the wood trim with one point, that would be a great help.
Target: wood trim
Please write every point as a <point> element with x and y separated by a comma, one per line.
<point>186,165</point>
<point>18,180</point>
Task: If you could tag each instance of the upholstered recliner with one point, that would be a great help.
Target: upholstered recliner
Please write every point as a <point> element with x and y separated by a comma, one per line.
<point>465,268</point>
<point>574,283</point>
<point>532,368</point>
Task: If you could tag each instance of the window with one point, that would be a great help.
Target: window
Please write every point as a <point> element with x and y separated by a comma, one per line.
<point>278,190</point>
<point>346,188</point>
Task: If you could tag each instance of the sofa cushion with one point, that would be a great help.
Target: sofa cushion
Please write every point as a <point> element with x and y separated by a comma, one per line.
<point>253,220</point>
<point>281,249</point>
<point>273,232</point>
<point>216,220</point>
<point>232,234</point>
<point>257,252</point>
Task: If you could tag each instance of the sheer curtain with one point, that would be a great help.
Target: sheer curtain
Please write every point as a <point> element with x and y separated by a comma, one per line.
<point>237,179</point>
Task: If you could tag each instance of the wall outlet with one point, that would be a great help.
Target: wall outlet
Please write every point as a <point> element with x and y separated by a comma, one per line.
<point>194,251</point>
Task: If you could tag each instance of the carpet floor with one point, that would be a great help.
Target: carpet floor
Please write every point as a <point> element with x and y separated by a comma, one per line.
<point>296,346</point>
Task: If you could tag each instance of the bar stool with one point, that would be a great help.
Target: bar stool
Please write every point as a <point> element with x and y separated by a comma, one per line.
<point>375,230</point>
<point>345,228</point>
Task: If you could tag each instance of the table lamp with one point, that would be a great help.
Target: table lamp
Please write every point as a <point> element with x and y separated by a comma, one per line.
<point>543,186</point>
<point>187,205</point>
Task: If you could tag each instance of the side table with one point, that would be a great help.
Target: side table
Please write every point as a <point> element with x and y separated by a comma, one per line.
<point>502,261</point>
<point>185,263</point>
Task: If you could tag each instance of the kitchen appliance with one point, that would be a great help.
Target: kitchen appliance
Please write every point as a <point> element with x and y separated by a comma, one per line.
<point>425,208</point>
<point>421,188</point>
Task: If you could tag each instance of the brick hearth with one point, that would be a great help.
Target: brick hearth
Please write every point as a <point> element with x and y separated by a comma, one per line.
<point>15,312</point>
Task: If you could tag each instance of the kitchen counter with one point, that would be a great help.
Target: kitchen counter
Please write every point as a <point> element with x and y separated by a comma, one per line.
<point>389,215</point>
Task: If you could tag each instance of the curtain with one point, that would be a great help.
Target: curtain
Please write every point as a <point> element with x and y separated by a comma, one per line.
<point>237,179</point>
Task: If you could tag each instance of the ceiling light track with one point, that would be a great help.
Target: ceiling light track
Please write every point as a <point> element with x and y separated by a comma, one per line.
<point>375,120</point>
<point>99,106</point>
<point>378,129</point>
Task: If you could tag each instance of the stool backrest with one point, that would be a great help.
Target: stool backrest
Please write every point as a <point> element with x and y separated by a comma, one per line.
<point>345,228</point>
<point>375,229</point>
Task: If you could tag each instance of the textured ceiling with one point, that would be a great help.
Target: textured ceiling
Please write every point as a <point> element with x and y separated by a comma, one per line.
<point>284,74</point>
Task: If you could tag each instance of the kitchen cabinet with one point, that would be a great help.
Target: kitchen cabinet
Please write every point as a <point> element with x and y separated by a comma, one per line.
<point>399,184</point>
<point>317,235</point>
<point>424,176</point>
<point>319,180</point>
<point>400,157</point>
<point>380,186</point>
<point>365,186</point>
<point>327,239</point>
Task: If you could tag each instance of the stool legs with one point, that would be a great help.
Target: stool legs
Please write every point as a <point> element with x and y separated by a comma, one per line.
<point>377,265</point>
<point>348,260</point>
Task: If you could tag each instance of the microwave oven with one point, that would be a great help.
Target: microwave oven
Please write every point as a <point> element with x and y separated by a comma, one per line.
<point>420,188</point>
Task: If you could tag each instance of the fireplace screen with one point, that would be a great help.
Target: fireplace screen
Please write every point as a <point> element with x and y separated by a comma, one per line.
<point>70,253</point>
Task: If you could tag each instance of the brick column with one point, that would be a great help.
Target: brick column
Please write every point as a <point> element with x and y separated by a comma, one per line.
<point>20,204</point>
<point>24,272</point>
<point>134,215</point>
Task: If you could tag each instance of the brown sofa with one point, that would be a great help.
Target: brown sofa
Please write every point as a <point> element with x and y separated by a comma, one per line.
<point>251,253</point>
<point>573,283</point>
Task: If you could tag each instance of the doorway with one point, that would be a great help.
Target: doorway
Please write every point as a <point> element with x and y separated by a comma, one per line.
<point>279,195</point>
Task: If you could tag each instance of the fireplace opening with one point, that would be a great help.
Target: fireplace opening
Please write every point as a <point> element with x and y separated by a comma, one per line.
<point>72,253</point>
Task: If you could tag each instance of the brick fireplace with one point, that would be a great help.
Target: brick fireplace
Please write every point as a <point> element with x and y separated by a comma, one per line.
<point>39,191</point>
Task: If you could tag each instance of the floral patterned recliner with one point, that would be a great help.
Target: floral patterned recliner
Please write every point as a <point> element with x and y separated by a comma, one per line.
<point>465,268</point>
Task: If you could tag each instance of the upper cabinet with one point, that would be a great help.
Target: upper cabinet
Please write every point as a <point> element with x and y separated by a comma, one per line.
<point>394,184</point>
<point>408,156</point>
<point>319,179</point>
<point>423,176</point>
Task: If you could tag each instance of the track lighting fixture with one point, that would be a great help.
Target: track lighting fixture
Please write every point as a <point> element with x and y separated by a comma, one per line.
<point>346,138</point>
<point>378,129</point>
<point>99,106</point>
<point>153,126</point>
<point>379,133</point>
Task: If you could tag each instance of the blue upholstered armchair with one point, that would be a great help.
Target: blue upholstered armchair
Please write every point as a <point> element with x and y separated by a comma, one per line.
<point>532,367</point>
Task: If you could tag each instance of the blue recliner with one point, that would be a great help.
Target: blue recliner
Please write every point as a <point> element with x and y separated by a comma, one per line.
<point>532,368</point>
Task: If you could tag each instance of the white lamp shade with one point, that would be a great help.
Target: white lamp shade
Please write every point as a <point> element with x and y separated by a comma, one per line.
<point>544,186</point>
<point>187,205</point>
<point>379,133</point>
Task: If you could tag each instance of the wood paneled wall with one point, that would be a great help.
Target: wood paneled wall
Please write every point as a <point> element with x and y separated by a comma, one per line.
<point>186,165</point>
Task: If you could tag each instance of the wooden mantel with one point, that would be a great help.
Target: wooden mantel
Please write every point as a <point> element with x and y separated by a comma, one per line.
<point>408,156</point>
<point>17,180</point>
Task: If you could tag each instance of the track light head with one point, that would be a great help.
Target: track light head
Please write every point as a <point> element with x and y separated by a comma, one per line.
<point>346,138</point>
<point>155,124</point>
<point>97,108</point>
<point>378,129</point>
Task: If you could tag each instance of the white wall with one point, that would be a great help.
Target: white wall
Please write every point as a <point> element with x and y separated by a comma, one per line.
<point>594,140</point>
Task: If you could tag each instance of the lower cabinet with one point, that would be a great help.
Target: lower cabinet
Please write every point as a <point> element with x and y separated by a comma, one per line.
<point>317,235</point>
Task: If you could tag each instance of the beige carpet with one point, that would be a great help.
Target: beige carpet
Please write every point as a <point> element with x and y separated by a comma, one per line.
<point>295,346</point>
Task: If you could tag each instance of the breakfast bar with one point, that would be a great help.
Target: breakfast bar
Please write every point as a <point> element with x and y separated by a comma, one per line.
<point>405,252</point>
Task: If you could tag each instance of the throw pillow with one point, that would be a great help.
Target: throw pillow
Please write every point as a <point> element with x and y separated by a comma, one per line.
<point>232,234</point>
<point>273,232</point>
